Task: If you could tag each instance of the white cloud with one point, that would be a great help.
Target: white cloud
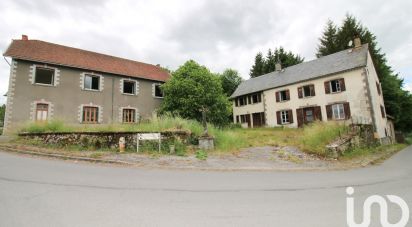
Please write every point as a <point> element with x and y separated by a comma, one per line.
<point>218,34</point>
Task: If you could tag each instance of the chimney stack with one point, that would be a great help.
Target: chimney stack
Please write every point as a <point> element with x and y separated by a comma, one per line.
<point>278,67</point>
<point>24,37</point>
<point>357,42</point>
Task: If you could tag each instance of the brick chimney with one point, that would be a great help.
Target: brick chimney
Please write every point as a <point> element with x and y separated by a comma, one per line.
<point>24,37</point>
<point>357,42</point>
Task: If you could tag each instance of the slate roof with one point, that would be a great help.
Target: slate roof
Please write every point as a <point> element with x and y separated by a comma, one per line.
<point>40,51</point>
<point>331,64</point>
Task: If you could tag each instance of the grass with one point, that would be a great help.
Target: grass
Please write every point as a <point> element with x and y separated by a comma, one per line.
<point>201,155</point>
<point>364,152</point>
<point>408,138</point>
<point>312,138</point>
<point>316,136</point>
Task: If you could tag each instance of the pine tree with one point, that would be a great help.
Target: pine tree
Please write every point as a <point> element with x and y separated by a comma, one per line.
<point>268,64</point>
<point>328,40</point>
<point>258,67</point>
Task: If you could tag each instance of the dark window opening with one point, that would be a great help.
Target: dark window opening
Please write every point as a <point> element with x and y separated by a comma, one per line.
<point>44,76</point>
<point>283,96</point>
<point>378,87</point>
<point>383,111</point>
<point>158,91</point>
<point>91,82</point>
<point>242,101</point>
<point>129,87</point>
<point>256,98</point>
<point>335,86</point>
<point>308,91</point>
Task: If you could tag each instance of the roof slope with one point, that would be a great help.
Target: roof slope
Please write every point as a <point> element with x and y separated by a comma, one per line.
<point>40,51</point>
<point>338,62</point>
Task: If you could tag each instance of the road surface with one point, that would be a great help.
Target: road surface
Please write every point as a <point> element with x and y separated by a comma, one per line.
<point>41,192</point>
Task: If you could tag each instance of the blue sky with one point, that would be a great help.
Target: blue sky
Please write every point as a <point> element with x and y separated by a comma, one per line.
<point>219,34</point>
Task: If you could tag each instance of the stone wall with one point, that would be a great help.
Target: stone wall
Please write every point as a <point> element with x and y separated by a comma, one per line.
<point>100,139</point>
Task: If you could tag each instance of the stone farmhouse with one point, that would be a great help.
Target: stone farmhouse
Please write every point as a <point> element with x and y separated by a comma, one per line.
<point>343,86</point>
<point>50,81</point>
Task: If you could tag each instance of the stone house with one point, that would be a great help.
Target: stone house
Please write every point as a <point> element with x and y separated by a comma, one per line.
<point>343,86</point>
<point>50,81</point>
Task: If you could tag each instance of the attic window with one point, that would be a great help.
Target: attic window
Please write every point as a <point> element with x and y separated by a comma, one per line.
<point>129,87</point>
<point>91,82</point>
<point>44,76</point>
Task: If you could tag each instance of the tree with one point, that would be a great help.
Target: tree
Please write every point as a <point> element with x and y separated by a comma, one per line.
<point>258,67</point>
<point>2,113</point>
<point>191,88</point>
<point>328,42</point>
<point>397,101</point>
<point>267,65</point>
<point>230,80</point>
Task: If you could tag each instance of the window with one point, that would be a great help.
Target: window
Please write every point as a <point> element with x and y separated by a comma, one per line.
<point>129,115</point>
<point>42,111</point>
<point>335,86</point>
<point>308,91</point>
<point>282,96</point>
<point>237,119</point>
<point>285,117</point>
<point>242,100</point>
<point>378,87</point>
<point>256,98</point>
<point>129,87</point>
<point>91,82</point>
<point>158,91</point>
<point>44,76</point>
<point>338,111</point>
<point>90,114</point>
<point>383,111</point>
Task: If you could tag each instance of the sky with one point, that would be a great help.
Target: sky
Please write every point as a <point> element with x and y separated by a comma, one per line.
<point>219,34</point>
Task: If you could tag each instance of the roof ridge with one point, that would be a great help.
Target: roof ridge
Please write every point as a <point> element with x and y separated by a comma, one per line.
<point>89,51</point>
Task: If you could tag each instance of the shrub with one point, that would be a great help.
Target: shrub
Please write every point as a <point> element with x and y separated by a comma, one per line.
<point>201,155</point>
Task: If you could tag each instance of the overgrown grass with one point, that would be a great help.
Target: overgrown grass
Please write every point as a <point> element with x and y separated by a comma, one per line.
<point>408,138</point>
<point>362,152</point>
<point>312,138</point>
<point>316,136</point>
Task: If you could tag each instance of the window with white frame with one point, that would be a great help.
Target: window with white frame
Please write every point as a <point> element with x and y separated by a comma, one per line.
<point>44,76</point>
<point>91,82</point>
<point>129,87</point>
<point>42,112</point>
<point>335,86</point>
<point>284,116</point>
<point>283,95</point>
<point>129,115</point>
<point>158,93</point>
<point>338,111</point>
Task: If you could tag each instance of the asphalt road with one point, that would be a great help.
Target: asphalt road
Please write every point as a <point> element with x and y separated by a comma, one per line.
<point>38,192</point>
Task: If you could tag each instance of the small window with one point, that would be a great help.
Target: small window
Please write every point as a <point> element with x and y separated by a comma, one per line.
<point>283,95</point>
<point>90,114</point>
<point>242,101</point>
<point>129,115</point>
<point>335,86</point>
<point>285,116</point>
<point>237,119</point>
<point>42,111</point>
<point>91,82</point>
<point>383,112</point>
<point>44,76</point>
<point>378,88</point>
<point>158,90</point>
<point>308,91</point>
<point>129,87</point>
<point>256,98</point>
<point>338,111</point>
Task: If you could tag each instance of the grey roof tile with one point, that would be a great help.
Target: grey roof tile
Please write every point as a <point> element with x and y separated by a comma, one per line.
<point>338,62</point>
